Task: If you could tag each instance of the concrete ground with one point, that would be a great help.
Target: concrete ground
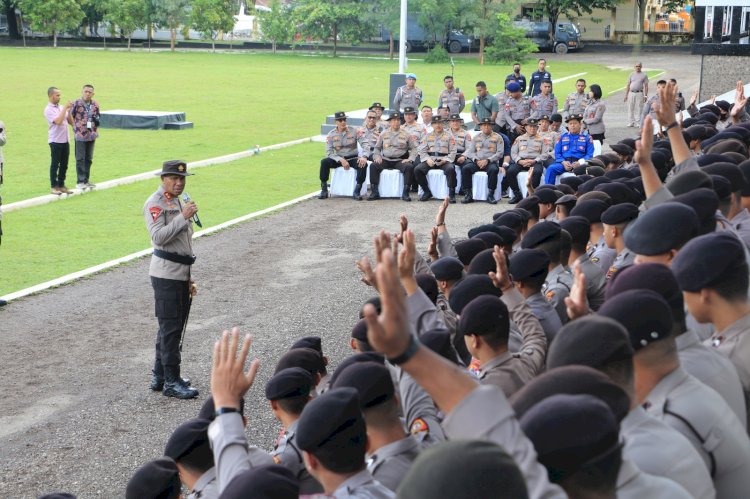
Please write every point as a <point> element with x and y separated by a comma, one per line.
<point>77,414</point>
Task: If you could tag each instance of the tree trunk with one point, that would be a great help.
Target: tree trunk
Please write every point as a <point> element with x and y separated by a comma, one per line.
<point>172,36</point>
<point>10,14</point>
<point>390,45</point>
<point>129,43</point>
<point>273,46</point>
<point>213,45</point>
<point>641,19</point>
<point>481,49</point>
<point>335,38</point>
<point>54,39</point>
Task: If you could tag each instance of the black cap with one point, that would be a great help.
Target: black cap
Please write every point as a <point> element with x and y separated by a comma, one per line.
<point>528,263</point>
<point>593,341</point>
<point>455,117</point>
<point>306,358</point>
<point>707,260</point>
<point>428,285</point>
<point>491,239</point>
<point>484,467</point>
<point>722,187</point>
<point>439,341</point>
<point>467,249</point>
<point>483,263</point>
<point>595,170</point>
<point>573,182</point>
<point>372,381</point>
<point>470,287</point>
<point>359,331</point>
<point>620,214</point>
<point>313,342</point>
<point>376,105</point>
<point>556,118</point>
<point>484,228</point>
<point>591,184</point>
<point>395,115</point>
<point>745,168</point>
<point>662,228</point>
<point>410,110</point>
<point>598,195</point>
<point>689,180</point>
<point>644,313</point>
<point>622,149</point>
<point>486,121</point>
<point>354,359</point>
<point>190,436</point>
<point>590,209</point>
<point>437,119</point>
<point>704,202</point>
<point>265,482</point>
<point>289,382</point>
<point>485,315</point>
<point>528,202</point>
<point>729,171</point>
<point>546,196</point>
<point>532,121</point>
<point>567,200</point>
<point>572,380</point>
<point>711,158</point>
<point>576,117</point>
<point>578,227</point>
<point>507,234</point>
<point>174,167</point>
<point>339,115</point>
<point>511,219</point>
<point>157,479</point>
<point>540,234</point>
<point>653,276</point>
<point>447,268</point>
<point>619,173</point>
<point>617,191</point>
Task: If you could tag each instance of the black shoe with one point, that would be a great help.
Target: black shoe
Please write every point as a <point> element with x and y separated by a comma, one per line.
<point>491,197</point>
<point>157,382</point>
<point>3,303</point>
<point>405,195</point>
<point>374,194</point>
<point>179,391</point>
<point>323,190</point>
<point>460,191</point>
<point>357,196</point>
<point>516,199</point>
<point>414,188</point>
<point>467,198</point>
<point>426,195</point>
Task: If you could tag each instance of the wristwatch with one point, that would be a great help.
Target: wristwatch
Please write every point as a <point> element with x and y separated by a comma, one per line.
<point>408,353</point>
<point>225,410</point>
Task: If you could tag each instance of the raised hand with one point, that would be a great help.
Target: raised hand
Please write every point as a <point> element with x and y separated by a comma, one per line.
<point>576,303</point>
<point>368,274</point>
<point>440,218</point>
<point>500,277</point>
<point>739,100</point>
<point>432,248</point>
<point>229,382</point>
<point>644,146</point>
<point>665,114</point>
<point>406,257</point>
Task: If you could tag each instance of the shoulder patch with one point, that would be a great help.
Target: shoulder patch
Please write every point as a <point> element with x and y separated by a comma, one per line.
<point>594,259</point>
<point>276,460</point>
<point>155,212</point>
<point>550,295</point>
<point>418,426</point>
<point>612,271</point>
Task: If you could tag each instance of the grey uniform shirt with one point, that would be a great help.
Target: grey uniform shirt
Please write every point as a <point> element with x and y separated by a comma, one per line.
<point>463,141</point>
<point>441,145</point>
<point>489,147</point>
<point>454,100</point>
<point>530,147</point>
<point>632,483</point>
<point>596,281</point>
<point>389,464</point>
<point>713,428</point>
<point>500,120</point>
<point>649,108</point>
<point>287,454</point>
<point>741,224</point>
<point>169,232</point>
<point>395,144</point>
<point>407,97</point>
<point>543,104</point>
<point>421,417</point>
<point>367,138</point>
<point>660,450</point>
<point>516,110</point>
<point>593,117</point>
<point>205,487</point>
<point>548,318</point>
<point>364,486</point>
<point>417,130</point>
<point>341,145</point>
<point>556,288</point>
<point>602,255</point>
<point>575,103</point>
<point>623,259</point>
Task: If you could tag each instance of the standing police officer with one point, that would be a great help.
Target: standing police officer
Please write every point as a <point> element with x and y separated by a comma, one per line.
<point>452,98</point>
<point>572,148</point>
<point>537,77</point>
<point>409,95</point>
<point>577,101</point>
<point>169,222</point>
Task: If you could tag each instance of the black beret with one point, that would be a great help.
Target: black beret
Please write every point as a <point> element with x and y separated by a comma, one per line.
<point>644,313</point>
<point>568,200</point>
<point>689,180</point>
<point>578,227</point>
<point>704,202</point>
<point>619,173</point>
<point>707,260</point>
<point>620,214</point>
<point>528,202</point>
<point>565,189</point>
<point>569,431</point>
<point>208,410</point>
<point>306,358</point>
<point>653,276</point>
<point>740,130</point>
<point>157,479</point>
<point>593,341</point>
<point>439,341</point>
<point>492,239</point>
<point>359,331</point>
<point>469,288</point>
<point>660,161</point>
<point>622,149</point>
<point>710,108</point>
<point>354,359</point>
<point>332,425</point>
<point>711,158</point>
<point>591,209</point>
<point>428,285</point>
<point>468,249</point>
<point>722,187</point>
<point>735,157</point>
<point>313,342</point>
<point>484,315</point>
<point>745,169</point>
<point>590,185</point>
<point>585,177</point>
<point>524,214</point>
<point>595,170</point>
<point>723,105</point>
<point>707,117</point>
<point>617,191</point>
<point>572,380</point>
<point>637,185</point>
<point>511,219</point>
<point>601,196</point>
<point>546,195</point>
<point>688,122</point>
<point>482,228</point>
<point>483,263</point>
<point>264,482</point>
<point>447,268</point>
<point>662,228</point>
<point>289,382</point>
<point>730,172</point>
<point>372,381</point>
<point>528,263</point>
<point>598,163</point>
<point>188,437</point>
<point>509,235</point>
<point>696,132</point>
<point>541,233</point>
<point>573,182</point>
<point>556,118</point>
<point>628,142</point>
<point>375,302</point>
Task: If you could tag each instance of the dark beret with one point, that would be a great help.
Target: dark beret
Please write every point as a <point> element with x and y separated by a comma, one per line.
<point>617,191</point>
<point>585,177</point>
<point>707,117</point>
<point>306,358</point>
<point>712,108</point>
<point>688,122</point>
<point>568,200</point>
<point>711,158</point>
<point>483,263</point>
<point>359,331</point>
<point>722,187</point>
<point>332,425</point>
<point>705,203</point>
<point>528,202</point>
<point>208,410</point>
<point>447,268</point>
<point>644,313</point>
<point>467,249</point>
<point>556,118</point>
<point>565,189</point>
<point>528,263</point>
<point>622,149</point>
<point>470,287</point>
<point>637,185</point>
<point>492,239</point>
<point>484,315</point>
<point>590,185</point>
<point>595,170</point>
<point>734,157</point>
<point>428,285</point>
<point>723,105</point>
<point>591,209</point>
<point>601,196</point>
<point>689,180</point>
<point>513,87</point>
<point>619,173</point>
<point>375,302</point>
<point>546,196</point>
<point>598,162</point>
<point>628,142</point>
<point>578,227</point>
<point>289,382</point>
<point>511,219</point>
<point>729,171</point>
<point>484,467</point>
<point>708,260</point>
<point>653,276</point>
<point>524,214</point>
<point>662,228</point>
<point>439,341</point>
<point>696,132</point>
<point>264,482</point>
<point>572,380</point>
<point>482,228</point>
<point>660,161</point>
<point>313,342</point>
<point>509,235</point>
<point>189,436</point>
<point>745,169</point>
<point>354,359</point>
<point>593,341</point>
<point>739,130</point>
<point>372,381</point>
<point>573,182</point>
<point>157,479</point>
<point>620,214</point>
<point>541,233</point>
<point>579,170</point>
<point>569,431</point>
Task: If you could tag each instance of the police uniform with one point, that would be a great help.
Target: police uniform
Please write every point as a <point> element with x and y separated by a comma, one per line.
<point>390,463</point>
<point>416,129</point>
<point>593,118</point>
<point>463,141</point>
<point>341,145</point>
<point>171,236</point>
<point>483,147</point>
<point>649,109</point>
<point>520,79</point>
<point>192,436</point>
<point>393,147</point>
<point>500,120</point>
<point>436,146</point>
<point>543,105</point>
<point>602,255</point>
<point>573,148</point>
<point>535,83</point>
<point>454,100</point>
<point>516,110</point>
<point>367,138</point>
<point>547,315</point>
<point>407,97</point>
<point>527,264</point>
<point>596,281</point>
<point>557,288</point>
<point>623,259</point>
<point>526,147</point>
<point>576,103</point>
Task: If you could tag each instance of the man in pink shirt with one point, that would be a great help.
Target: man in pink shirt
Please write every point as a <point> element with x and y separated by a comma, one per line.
<point>57,121</point>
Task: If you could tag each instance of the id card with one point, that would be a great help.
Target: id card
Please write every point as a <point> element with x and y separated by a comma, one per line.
<point>89,125</point>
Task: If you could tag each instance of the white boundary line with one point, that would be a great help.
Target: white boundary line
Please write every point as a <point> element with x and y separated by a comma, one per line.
<point>139,254</point>
<point>569,77</point>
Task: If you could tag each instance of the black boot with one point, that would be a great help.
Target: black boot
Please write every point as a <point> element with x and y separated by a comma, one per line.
<point>452,195</point>
<point>491,196</point>
<point>374,194</point>
<point>405,195</point>
<point>517,197</point>
<point>415,187</point>
<point>173,386</point>
<point>323,190</point>
<point>157,377</point>
<point>468,198</point>
<point>357,196</point>
<point>426,194</point>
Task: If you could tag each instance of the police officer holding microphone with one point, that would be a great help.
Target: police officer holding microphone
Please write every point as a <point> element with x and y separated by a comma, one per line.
<point>169,220</point>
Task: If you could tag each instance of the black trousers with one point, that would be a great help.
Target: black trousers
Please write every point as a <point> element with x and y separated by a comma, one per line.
<point>84,157</point>
<point>470,168</point>
<point>511,176</point>
<point>171,297</point>
<point>392,164</point>
<point>598,136</point>
<point>326,164</point>
<point>420,173</point>
<point>59,152</point>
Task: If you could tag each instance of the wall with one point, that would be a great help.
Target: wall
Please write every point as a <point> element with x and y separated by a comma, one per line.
<point>719,73</point>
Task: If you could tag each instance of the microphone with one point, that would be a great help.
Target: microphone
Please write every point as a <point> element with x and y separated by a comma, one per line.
<point>197,220</point>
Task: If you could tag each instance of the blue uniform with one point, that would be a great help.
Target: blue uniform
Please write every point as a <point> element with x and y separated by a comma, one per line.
<point>569,148</point>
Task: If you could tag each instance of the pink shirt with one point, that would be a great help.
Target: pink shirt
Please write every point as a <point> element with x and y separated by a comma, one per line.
<point>57,133</point>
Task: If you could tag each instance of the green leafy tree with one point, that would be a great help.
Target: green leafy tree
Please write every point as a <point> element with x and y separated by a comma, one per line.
<point>276,26</point>
<point>437,16</point>
<point>481,17</point>
<point>127,16</point>
<point>172,14</point>
<point>94,12</point>
<point>509,43</point>
<point>386,13</point>
<point>52,16</point>
<point>8,7</point>
<point>333,20</point>
<point>211,17</point>
<point>575,8</point>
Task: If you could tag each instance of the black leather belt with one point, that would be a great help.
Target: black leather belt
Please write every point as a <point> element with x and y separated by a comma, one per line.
<point>174,257</point>
<point>436,155</point>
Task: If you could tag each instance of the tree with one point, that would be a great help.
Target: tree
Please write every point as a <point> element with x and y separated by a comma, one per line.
<point>277,25</point>
<point>333,19</point>
<point>509,43</point>
<point>575,8</point>
<point>211,17</point>
<point>9,8</point>
<point>482,16</point>
<point>386,13</point>
<point>172,14</point>
<point>52,16</point>
<point>127,15</point>
<point>436,17</point>
<point>94,11</point>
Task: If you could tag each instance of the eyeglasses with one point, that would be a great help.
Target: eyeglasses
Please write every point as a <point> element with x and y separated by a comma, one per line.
<point>371,117</point>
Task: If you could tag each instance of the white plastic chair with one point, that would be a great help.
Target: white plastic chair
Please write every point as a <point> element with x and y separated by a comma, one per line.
<point>344,181</point>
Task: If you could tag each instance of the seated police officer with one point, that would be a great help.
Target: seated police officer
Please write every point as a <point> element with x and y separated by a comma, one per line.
<point>341,150</point>
<point>437,150</point>
<point>394,149</point>
<point>528,153</point>
<point>487,149</point>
